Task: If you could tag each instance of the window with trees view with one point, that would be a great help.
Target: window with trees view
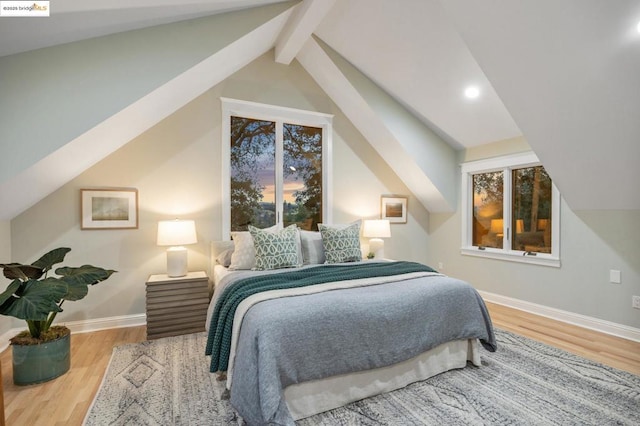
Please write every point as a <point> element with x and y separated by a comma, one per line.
<point>511,210</point>
<point>277,171</point>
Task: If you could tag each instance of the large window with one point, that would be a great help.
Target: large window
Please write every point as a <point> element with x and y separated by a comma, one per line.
<point>510,210</point>
<point>275,166</point>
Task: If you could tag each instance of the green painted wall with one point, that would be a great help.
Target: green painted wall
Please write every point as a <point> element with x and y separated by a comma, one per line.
<point>51,96</point>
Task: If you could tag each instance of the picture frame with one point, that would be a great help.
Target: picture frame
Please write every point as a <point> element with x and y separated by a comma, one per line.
<point>394,208</point>
<point>109,208</point>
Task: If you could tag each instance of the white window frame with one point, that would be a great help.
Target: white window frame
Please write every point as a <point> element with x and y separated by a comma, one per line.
<point>280,115</point>
<point>506,164</point>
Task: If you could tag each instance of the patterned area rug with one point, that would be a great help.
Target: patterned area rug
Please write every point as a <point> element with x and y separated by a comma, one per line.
<point>167,382</point>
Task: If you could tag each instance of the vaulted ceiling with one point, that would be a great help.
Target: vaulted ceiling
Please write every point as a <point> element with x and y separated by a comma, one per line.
<point>562,74</point>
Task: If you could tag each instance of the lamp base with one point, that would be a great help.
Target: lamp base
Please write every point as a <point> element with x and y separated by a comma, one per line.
<point>376,246</point>
<point>176,261</point>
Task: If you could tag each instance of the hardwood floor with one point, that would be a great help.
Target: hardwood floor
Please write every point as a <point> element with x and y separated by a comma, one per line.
<point>65,400</point>
<point>606,349</point>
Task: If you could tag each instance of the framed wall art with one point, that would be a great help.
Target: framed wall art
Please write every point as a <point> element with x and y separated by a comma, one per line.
<point>109,208</point>
<point>393,208</point>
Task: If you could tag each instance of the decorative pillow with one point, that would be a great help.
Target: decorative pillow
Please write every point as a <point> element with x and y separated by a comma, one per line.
<point>224,258</point>
<point>341,225</point>
<point>312,248</point>
<point>244,255</point>
<point>341,244</point>
<point>275,250</point>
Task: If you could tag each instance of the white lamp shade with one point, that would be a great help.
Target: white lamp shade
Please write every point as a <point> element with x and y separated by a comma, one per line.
<point>379,228</point>
<point>376,230</point>
<point>176,232</point>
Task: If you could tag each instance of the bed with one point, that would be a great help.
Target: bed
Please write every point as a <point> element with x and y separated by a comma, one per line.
<point>294,342</point>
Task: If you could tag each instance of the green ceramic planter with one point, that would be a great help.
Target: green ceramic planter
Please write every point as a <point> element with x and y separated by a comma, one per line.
<point>40,363</point>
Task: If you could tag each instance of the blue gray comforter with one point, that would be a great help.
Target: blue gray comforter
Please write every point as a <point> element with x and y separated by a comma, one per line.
<point>296,339</point>
<point>221,323</point>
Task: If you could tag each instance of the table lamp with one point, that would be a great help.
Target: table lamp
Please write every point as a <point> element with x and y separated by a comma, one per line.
<point>176,233</point>
<point>497,226</point>
<point>542,224</point>
<point>376,230</point>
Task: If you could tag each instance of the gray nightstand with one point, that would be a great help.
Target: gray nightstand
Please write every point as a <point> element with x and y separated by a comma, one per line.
<point>176,305</point>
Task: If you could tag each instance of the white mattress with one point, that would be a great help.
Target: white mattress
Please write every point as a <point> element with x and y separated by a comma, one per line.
<point>219,272</point>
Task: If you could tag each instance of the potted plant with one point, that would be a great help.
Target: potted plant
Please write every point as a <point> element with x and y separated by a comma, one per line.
<point>42,352</point>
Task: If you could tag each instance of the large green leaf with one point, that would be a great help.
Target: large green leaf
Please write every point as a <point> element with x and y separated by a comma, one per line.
<point>77,279</point>
<point>38,299</point>
<point>75,290</point>
<point>6,298</point>
<point>87,274</point>
<point>53,257</point>
<point>21,272</point>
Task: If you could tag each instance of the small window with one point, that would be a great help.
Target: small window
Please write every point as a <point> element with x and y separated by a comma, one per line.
<point>511,210</point>
<point>488,209</point>
<point>531,211</point>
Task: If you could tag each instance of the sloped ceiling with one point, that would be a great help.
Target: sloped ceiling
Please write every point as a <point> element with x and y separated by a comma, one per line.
<point>412,51</point>
<point>569,73</point>
<point>562,74</point>
<point>73,20</point>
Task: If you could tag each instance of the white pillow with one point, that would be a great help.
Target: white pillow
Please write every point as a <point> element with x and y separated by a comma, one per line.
<point>244,253</point>
<point>312,248</point>
<point>224,258</point>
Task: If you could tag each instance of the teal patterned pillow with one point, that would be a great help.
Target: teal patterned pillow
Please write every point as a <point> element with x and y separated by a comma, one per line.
<point>341,244</point>
<point>275,250</point>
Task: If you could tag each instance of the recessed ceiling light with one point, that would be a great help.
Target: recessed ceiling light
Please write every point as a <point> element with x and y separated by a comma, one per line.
<point>638,27</point>
<point>472,92</point>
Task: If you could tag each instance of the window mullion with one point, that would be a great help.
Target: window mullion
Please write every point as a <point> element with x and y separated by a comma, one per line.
<point>467,205</point>
<point>327,174</point>
<point>225,173</point>
<point>279,192</point>
<point>506,209</point>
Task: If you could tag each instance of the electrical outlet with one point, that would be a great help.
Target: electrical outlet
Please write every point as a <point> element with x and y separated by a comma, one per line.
<point>440,266</point>
<point>614,276</point>
<point>635,302</point>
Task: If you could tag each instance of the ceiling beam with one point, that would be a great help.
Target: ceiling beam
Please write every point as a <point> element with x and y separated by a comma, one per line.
<point>402,159</point>
<point>301,25</point>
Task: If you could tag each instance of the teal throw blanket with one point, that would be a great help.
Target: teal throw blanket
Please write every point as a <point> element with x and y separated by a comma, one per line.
<point>221,326</point>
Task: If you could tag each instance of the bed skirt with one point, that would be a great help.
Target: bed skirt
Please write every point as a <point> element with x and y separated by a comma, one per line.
<point>309,398</point>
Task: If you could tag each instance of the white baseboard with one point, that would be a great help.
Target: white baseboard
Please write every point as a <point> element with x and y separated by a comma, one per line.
<point>584,321</point>
<point>84,326</point>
